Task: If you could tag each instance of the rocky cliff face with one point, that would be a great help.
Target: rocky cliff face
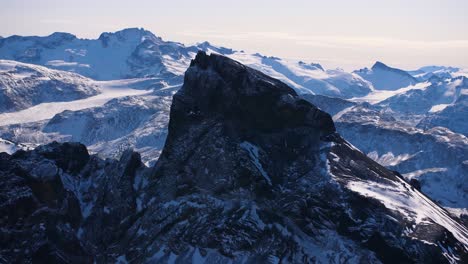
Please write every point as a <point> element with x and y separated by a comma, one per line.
<point>250,173</point>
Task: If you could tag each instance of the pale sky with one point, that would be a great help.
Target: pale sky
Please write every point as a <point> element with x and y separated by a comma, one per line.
<point>347,34</point>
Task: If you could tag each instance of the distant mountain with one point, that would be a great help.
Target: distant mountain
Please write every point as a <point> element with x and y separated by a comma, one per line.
<point>128,53</point>
<point>432,98</point>
<point>425,73</point>
<point>306,78</point>
<point>384,77</point>
<point>250,172</point>
<point>452,116</point>
<point>138,53</point>
<point>25,85</point>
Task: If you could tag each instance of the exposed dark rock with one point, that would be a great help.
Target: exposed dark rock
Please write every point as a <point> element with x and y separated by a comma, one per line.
<point>69,156</point>
<point>416,184</point>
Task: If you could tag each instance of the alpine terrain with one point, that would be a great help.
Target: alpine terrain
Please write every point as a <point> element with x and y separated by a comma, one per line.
<point>250,172</point>
<point>225,156</point>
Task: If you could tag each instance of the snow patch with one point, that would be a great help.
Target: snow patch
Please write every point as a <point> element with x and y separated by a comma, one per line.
<point>417,173</point>
<point>254,155</point>
<point>402,198</point>
<point>438,108</point>
<point>389,159</point>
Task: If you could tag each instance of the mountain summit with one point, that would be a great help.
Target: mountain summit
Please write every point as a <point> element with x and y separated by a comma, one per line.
<point>384,77</point>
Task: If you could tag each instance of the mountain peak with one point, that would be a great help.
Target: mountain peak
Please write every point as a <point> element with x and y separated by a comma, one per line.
<point>384,77</point>
<point>129,34</point>
<point>245,82</point>
<point>379,65</point>
<point>224,105</point>
<point>218,88</point>
<point>238,137</point>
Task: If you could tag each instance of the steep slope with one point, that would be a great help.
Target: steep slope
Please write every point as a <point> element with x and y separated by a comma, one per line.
<point>434,157</point>
<point>250,173</point>
<point>25,85</point>
<point>384,77</point>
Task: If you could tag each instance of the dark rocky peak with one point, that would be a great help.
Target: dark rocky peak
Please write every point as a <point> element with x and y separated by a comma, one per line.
<point>218,86</point>
<point>70,156</point>
<point>239,139</point>
<point>227,111</point>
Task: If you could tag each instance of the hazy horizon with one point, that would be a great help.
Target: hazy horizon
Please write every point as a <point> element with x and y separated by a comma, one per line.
<point>402,34</point>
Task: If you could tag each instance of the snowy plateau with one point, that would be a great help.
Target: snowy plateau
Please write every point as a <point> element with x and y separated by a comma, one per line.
<point>127,91</point>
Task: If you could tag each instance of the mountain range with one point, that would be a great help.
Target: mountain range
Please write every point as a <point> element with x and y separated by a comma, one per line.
<point>224,141</point>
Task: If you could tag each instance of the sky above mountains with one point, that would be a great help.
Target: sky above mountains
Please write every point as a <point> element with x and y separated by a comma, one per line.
<point>348,34</point>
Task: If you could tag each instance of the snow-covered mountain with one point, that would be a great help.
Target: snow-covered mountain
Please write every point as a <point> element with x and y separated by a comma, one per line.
<point>128,53</point>
<point>25,85</point>
<point>134,113</point>
<point>439,94</point>
<point>137,53</point>
<point>425,73</point>
<point>308,77</point>
<point>250,173</point>
<point>384,77</point>
<point>452,116</point>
